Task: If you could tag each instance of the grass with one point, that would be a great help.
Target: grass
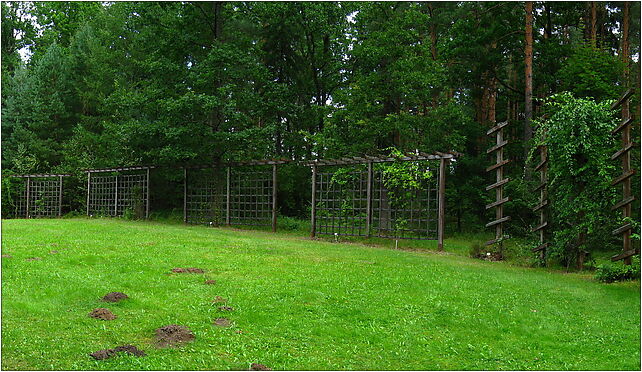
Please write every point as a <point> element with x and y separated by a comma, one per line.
<point>299,304</point>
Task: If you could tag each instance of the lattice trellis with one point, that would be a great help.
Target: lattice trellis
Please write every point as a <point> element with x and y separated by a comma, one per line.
<point>38,195</point>
<point>232,194</point>
<point>113,192</point>
<point>355,200</point>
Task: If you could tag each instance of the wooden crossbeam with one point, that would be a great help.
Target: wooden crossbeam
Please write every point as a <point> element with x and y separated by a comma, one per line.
<point>622,152</point>
<point>497,127</point>
<point>495,166</point>
<point>540,206</point>
<point>541,247</point>
<point>497,184</point>
<point>497,147</point>
<point>499,202</point>
<point>622,229</point>
<point>493,223</point>
<point>541,185</point>
<point>624,202</point>
<point>623,255</point>
<point>624,97</point>
<point>540,227</point>
<point>540,165</point>
<point>622,125</point>
<point>623,177</point>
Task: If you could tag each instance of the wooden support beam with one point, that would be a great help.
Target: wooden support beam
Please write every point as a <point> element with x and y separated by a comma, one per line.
<point>625,255</point>
<point>274,195</point>
<point>313,214</point>
<point>184,194</point>
<point>624,97</point>
<point>625,123</point>
<point>541,164</point>
<point>540,206</point>
<point>496,128</point>
<point>60,196</point>
<point>540,227</point>
<point>498,202</point>
<point>496,147</point>
<point>541,247</point>
<point>623,177</point>
<point>497,184</point>
<point>622,151</point>
<point>622,229</point>
<point>495,166</point>
<point>88,191</point>
<point>228,196</point>
<point>147,195</point>
<point>369,201</point>
<point>540,186</point>
<point>442,204</point>
<point>624,202</point>
<point>28,203</point>
<point>493,223</point>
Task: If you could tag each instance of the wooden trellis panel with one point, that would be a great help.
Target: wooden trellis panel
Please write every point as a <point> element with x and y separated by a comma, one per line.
<point>39,195</point>
<point>362,205</point>
<point>112,191</point>
<point>624,155</point>
<point>239,193</point>
<point>500,182</point>
<point>541,208</point>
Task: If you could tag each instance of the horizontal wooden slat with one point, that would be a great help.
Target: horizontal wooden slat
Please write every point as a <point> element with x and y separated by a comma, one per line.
<point>540,227</point>
<point>492,167</point>
<point>504,219</point>
<point>541,185</point>
<point>497,184</point>
<point>491,242</point>
<point>624,202</point>
<point>497,127</point>
<point>542,205</point>
<point>624,255</point>
<point>540,165</point>
<point>497,147</point>
<point>38,175</point>
<point>623,177</point>
<point>540,247</point>
<point>499,202</point>
<point>622,152</point>
<point>623,98</point>
<point>622,125</point>
<point>622,229</point>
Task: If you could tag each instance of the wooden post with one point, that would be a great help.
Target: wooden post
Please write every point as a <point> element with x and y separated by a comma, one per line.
<point>88,190</point>
<point>228,220</point>
<point>28,196</point>
<point>116,197</point>
<point>313,215</point>
<point>441,214</point>
<point>274,188</point>
<point>148,196</point>
<point>185,194</point>
<point>369,200</point>
<point>60,197</point>
<point>500,181</point>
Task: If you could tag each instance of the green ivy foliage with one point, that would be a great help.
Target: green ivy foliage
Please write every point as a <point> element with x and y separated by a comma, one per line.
<point>578,136</point>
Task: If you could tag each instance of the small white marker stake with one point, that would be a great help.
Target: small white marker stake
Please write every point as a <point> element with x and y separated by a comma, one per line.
<point>396,244</point>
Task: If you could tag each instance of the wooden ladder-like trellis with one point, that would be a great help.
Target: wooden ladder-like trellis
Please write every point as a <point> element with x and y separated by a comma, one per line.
<point>500,182</point>
<point>542,168</point>
<point>625,178</point>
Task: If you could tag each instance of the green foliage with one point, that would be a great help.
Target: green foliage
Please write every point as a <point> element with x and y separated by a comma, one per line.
<point>578,136</point>
<point>616,272</point>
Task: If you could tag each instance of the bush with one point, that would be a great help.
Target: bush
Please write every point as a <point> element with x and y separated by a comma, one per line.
<point>609,273</point>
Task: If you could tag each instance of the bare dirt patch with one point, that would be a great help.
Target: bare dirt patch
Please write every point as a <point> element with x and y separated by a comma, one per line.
<point>53,252</point>
<point>219,300</point>
<point>259,367</point>
<point>102,314</point>
<point>187,270</point>
<point>226,308</point>
<point>34,259</point>
<point>108,353</point>
<point>210,282</point>
<point>173,335</point>
<point>114,297</point>
<point>222,322</point>
<point>6,256</point>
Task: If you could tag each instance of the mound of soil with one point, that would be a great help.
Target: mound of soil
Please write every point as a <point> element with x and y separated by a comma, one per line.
<point>34,259</point>
<point>219,300</point>
<point>53,252</point>
<point>210,281</point>
<point>173,335</point>
<point>114,297</point>
<point>102,314</point>
<point>187,270</point>
<point>108,353</point>
<point>6,256</point>
<point>226,308</point>
<point>222,322</point>
<point>259,367</point>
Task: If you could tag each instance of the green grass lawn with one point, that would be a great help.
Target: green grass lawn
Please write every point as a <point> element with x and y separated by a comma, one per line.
<point>298,304</point>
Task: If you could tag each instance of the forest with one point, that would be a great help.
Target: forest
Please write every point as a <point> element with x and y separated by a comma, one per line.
<point>103,84</point>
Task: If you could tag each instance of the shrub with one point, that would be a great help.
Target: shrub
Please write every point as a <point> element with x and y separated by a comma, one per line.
<point>609,273</point>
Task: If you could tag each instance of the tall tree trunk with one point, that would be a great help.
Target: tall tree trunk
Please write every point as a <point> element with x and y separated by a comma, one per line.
<point>593,23</point>
<point>528,62</point>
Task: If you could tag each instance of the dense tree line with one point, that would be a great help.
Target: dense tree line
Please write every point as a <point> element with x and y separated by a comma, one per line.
<point>191,82</point>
